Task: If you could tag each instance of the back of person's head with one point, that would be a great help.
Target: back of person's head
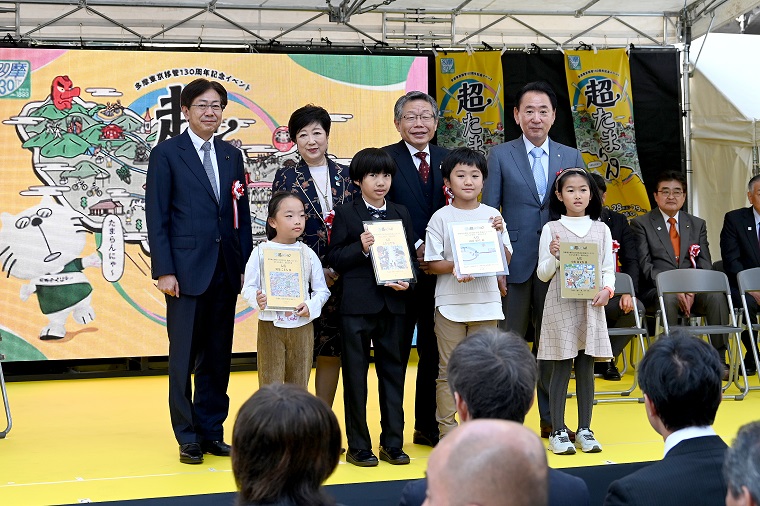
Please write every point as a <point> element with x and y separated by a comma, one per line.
<point>681,376</point>
<point>489,463</point>
<point>464,156</point>
<point>537,87</point>
<point>600,182</point>
<point>495,375</point>
<point>557,207</point>
<point>285,443</point>
<point>742,466</point>
<point>371,161</point>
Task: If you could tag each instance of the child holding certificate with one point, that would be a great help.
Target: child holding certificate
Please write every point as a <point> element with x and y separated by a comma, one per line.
<point>463,303</point>
<point>574,329</point>
<point>284,280</point>
<point>372,312</point>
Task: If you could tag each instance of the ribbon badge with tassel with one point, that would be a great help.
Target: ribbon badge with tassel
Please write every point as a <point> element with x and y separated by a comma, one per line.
<point>237,191</point>
<point>328,223</point>
<point>694,250</point>
<point>615,249</point>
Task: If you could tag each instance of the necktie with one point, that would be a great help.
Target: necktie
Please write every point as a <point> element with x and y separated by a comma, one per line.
<point>675,239</point>
<point>378,214</point>
<point>209,168</point>
<point>538,171</point>
<point>424,166</point>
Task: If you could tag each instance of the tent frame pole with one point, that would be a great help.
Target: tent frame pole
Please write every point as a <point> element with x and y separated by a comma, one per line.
<point>686,106</point>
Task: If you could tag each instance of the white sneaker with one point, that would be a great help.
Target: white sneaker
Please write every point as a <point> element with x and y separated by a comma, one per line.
<point>585,440</point>
<point>560,443</point>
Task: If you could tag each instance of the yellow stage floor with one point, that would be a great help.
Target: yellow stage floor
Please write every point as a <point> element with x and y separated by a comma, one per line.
<point>95,440</point>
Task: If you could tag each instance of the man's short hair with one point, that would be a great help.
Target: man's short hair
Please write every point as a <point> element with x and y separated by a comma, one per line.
<point>538,87</point>
<point>398,109</point>
<point>681,376</point>
<point>197,88</point>
<point>670,175</point>
<point>752,182</point>
<point>742,465</point>
<point>464,156</point>
<point>495,374</point>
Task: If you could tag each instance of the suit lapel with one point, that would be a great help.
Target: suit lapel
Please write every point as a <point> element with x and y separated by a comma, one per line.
<point>305,183</point>
<point>226,171</point>
<point>408,172</point>
<point>361,210</point>
<point>686,229</point>
<point>661,230</point>
<point>748,223</point>
<point>520,157</point>
<point>555,165</point>
<point>190,156</point>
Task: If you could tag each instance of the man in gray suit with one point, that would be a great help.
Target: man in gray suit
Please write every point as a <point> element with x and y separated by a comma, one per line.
<point>521,175</point>
<point>659,234</point>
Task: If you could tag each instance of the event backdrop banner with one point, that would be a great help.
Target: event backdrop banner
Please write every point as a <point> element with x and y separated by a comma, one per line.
<point>599,84</point>
<point>77,130</point>
<point>471,100</point>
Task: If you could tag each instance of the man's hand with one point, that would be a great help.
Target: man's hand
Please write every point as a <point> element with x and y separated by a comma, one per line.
<point>398,285</point>
<point>601,298</point>
<point>756,296</point>
<point>502,281</point>
<point>685,301</point>
<point>424,267</point>
<point>626,303</point>
<point>367,240</point>
<point>330,276</point>
<point>168,284</point>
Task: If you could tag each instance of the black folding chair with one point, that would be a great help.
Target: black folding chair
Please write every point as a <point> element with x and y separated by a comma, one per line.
<point>5,399</point>
<point>749,281</point>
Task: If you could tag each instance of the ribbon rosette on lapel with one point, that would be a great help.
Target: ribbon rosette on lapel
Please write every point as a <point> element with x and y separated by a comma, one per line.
<point>238,190</point>
<point>448,195</point>
<point>328,223</point>
<point>694,250</point>
<point>615,249</point>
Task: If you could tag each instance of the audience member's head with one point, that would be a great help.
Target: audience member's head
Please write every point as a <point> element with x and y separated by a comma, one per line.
<point>492,374</point>
<point>285,443</point>
<point>489,463</point>
<point>680,377</point>
<point>742,467</point>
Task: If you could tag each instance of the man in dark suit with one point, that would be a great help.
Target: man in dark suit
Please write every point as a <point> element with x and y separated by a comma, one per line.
<point>680,377</point>
<point>665,237</point>
<point>492,374</point>
<point>521,174</point>
<point>199,247</point>
<point>740,250</point>
<point>741,467</point>
<point>418,186</point>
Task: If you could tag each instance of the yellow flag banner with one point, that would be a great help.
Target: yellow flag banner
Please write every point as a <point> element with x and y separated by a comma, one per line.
<point>471,100</point>
<point>600,95</point>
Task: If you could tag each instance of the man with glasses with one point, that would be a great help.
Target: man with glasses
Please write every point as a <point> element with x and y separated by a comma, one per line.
<point>418,185</point>
<point>668,238</point>
<point>199,246</point>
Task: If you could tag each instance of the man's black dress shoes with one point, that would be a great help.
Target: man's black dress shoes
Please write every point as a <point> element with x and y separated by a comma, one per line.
<point>425,438</point>
<point>190,453</point>
<point>361,458</point>
<point>218,448</point>
<point>395,456</point>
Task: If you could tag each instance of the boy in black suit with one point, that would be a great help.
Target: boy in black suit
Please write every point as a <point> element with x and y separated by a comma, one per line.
<point>369,312</point>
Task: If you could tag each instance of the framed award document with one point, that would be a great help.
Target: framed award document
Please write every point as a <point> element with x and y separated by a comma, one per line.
<point>390,252</point>
<point>284,276</point>
<point>477,248</point>
<point>579,270</point>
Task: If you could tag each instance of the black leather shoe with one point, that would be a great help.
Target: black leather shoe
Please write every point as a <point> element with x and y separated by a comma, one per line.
<point>395,456</point>
<point>750,366</point>
<point>425,438</point>
<point>218,448</point>
<point>611,372</point>
<point>190,453</point>
<point>361,458</point>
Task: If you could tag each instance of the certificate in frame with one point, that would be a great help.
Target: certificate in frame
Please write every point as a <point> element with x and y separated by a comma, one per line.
<point>391,259</point>
<point>579,270</point>
<point>478,249</point>
<point>283,272</point>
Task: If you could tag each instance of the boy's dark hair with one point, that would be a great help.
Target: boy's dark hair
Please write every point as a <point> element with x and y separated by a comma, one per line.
<point>305,116</point>
<point>539,87</point>
<point>681,376</point>
<point>198,87</point>
<point>273,207</point>
<point>600,182</point>
<point>464,156</point>
<point>371,161</point>
<point>557,208</point>
<point>670,175</point>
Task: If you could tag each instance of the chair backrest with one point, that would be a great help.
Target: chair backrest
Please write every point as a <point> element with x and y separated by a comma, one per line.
<point>691,281</point>
<point>623,284</point>
<point>749,280</point>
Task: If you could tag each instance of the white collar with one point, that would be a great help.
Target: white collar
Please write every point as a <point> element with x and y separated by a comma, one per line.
<point>529,145</point>
<point>197,141</point>
<point>687,433</point>
<point>666,217</point>
<point>757,216</point>
<point>382,208</point>
<point>413,151</point>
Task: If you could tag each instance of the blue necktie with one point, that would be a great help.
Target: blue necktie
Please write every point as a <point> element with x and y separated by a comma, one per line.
<point>538,171</point>
<point>209,167</point>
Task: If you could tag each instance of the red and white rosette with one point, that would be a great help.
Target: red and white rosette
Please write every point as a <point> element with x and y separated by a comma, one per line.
<point>615,249</point>
<point>448,195</point>
<point>238,190</point>
<point>694,250</point>
<point>328,223</point>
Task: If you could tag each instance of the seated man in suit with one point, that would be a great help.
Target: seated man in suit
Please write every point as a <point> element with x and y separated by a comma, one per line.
<point>740,250</point>
<point>680,377</point>
<point>670,238</point>
<point>488,462</point>
<point>492,374</point>
<point>742,467</point>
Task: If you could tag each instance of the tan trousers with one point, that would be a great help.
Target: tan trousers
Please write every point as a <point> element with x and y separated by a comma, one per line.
<point>284,355</point>
<point>449,334</point>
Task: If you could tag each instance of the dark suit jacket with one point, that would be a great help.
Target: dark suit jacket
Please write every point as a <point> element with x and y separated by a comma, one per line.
<point>656,251</point>
<point>186,225</point>
<point>564,490</point>
<point>622,233</point>
<point>691,473</point>
<point>510,187</point>
<point>739,246</point>
<point>406,188</point>
<point>361,293</point>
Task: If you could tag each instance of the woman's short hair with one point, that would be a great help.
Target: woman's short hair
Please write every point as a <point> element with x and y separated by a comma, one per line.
<point>285,444</point>
<point>305,116</point>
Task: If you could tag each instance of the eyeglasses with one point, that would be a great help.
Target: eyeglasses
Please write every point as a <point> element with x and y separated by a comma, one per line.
<point>667,192</point>
<point>411,118</point>
<point>205,107</point>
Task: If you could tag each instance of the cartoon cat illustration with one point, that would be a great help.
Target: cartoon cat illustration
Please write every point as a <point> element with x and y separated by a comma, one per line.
<point>43,244</point>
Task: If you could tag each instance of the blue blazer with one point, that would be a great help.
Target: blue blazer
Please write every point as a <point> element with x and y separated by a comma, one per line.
<point>511,187</point>
<point>186,225</point>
